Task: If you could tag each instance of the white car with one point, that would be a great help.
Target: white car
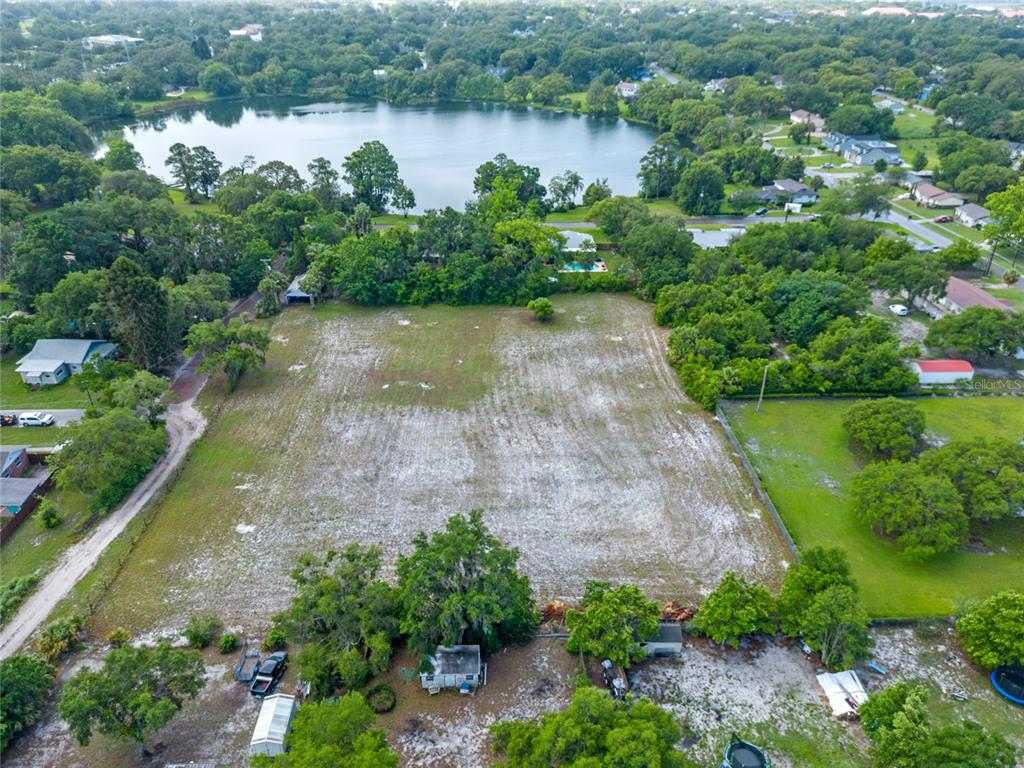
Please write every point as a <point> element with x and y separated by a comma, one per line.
<point>899,310</point>
<point>846,165</point>
<point>36,419</point>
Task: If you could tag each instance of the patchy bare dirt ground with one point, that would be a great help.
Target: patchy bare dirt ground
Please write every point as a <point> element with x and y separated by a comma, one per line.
<point>450,731</point>
<point>370,425</point>
<point>766,692</point>
<point>573,436</point>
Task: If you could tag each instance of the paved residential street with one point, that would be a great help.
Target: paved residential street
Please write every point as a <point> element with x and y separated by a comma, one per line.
<point>61,417</point>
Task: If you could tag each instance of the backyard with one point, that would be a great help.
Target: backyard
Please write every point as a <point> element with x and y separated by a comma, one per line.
<point>369,425</point>
<point>800,451</point>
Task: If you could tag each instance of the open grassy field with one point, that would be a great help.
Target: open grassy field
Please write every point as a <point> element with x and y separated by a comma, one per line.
<point>800,451</point>
<point>34,436</point>
<point>916,135</point>
<point>16,394</point>
<point>183,206</point>
<point>369,425</point>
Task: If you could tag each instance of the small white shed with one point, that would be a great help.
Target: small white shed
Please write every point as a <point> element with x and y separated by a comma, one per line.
<point>272,725</point>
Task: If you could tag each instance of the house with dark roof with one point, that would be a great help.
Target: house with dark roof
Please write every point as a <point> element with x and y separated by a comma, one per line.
<point>667,642</point>
<point>51,361</point>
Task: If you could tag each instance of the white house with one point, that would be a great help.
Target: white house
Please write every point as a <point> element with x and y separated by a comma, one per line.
<point>929,195</point>
<point>109,41</point>
<point>790,191</point>
<point>253,31</point>
<point>627,90</point>
<point>816,121</point>
<point>454,666</point>
<point>272,725</point>
<point>869,151</point>
<point>51,361</point>
<point>931,372</point>
<point>893,106</point>
<point>972,215</point>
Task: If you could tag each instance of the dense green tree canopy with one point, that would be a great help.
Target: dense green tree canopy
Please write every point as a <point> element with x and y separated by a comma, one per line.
<point>884,429</point>
<point>990,631</point>
<point>461,585</point>
<point>612,623</point>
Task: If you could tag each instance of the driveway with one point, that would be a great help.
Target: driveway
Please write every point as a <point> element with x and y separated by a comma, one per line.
<point>61,417</point>
<point>672,79</point>
<point>184,426</point>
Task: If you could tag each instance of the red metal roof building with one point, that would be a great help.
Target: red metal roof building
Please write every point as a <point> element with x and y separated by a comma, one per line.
<point>942,371</point>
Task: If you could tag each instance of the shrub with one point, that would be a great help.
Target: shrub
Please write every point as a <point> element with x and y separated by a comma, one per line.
<point>228,643</point>
<point>542,308</point>
<point>202,630</point>
<point>60,637</point>
<point>276,640</point>
<point>352,668</point>
<point>48,516</point>
<point>381,699</point>
<point>118,637</point>
<point>13,593</point>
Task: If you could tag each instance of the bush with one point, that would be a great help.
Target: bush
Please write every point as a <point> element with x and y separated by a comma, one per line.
<point>381,699</point>
<point>118,637</point>
<point>736,608</point>
<point>202,630</point>
<point>542,308</point>
<point>48,516</point>
<point>228,643</point>
<point>60,637</point>
<point>13,593</point>
<point>276,640</point>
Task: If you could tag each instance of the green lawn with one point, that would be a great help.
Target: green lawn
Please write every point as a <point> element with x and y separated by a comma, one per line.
<point>181,205</point>
<point>395,219</point>
<point>143,106</point>
<point>31,547</point>
<point>36,436</point>
<point>916,135</point>
<point>14,393</point>
<point>579,213</point>
<point>800,451</point>
<point>595,232</point>
<point>1013,295</point>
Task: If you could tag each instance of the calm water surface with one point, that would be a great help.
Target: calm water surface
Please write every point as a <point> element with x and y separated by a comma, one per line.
<point>437,147</point>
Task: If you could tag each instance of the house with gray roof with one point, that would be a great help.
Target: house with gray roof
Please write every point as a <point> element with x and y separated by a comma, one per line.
<point>869,151</point>
<point>13,460</point>
<point>454,666</point>
<point>789,191</point>
<point>51,361</point>
<point>972,215</point>
<point>667,642</point>
<point>893,106</point>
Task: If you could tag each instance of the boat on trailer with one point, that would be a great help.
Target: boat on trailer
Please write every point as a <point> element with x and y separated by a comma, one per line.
<point>1009,683</point>
<point>743,754</point>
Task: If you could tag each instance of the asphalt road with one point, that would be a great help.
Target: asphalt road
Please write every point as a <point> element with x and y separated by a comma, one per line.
<point>61,417</point>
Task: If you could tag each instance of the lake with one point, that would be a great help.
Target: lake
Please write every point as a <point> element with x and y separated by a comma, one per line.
<point>438,147</point>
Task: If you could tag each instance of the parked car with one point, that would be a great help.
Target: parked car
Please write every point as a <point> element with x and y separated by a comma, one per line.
<point>827,165</point>
<point>36,419</point>
<point>846,165</point>
<point>942,219</point>
<point>899,310</point>
<point>760,211</point>
<point>8,420</point>
<point>269,675</point>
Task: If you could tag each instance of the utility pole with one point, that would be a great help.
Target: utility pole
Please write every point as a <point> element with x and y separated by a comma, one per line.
<point>764,380</point>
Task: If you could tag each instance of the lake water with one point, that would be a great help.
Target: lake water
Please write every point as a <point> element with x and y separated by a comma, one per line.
<point>437,147</point>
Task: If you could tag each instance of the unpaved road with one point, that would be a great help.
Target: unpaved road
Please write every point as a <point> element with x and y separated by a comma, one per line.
<point>184,425</point>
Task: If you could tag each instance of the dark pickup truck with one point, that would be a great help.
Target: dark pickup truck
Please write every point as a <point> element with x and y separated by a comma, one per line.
<point>269,675</point>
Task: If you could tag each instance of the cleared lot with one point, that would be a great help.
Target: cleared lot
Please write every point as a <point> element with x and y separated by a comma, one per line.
<point>370,425</point>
